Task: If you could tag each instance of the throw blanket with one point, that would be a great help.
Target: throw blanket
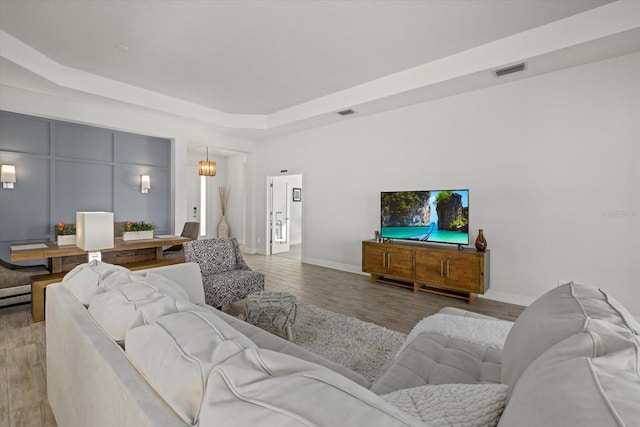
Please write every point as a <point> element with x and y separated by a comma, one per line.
<point>486,332</point>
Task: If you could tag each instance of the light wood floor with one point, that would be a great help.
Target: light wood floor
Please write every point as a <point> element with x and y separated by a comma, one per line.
<point>23,389</point>
<point>23,398</point>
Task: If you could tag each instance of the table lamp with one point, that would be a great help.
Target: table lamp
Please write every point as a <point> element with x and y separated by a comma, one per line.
<point>94,232</point>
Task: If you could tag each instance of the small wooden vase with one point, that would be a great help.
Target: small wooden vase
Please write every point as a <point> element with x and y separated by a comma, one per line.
<point>481,242</point>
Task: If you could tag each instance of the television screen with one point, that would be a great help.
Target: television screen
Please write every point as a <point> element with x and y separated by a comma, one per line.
<point>440,216</point>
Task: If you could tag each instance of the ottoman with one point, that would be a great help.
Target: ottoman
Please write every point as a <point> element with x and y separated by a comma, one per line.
<point>271,310</point>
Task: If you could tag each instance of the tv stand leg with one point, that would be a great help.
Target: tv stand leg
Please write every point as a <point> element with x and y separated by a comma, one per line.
<point>460,247</point>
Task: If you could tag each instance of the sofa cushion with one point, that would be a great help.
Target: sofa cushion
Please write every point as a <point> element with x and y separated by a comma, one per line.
<point>484,331</point>
<point>452,346</point>
<point>464,405</point>
<point>116,309</point>
<point>558,314</point>
<point>83,280</point>
<point>176,352</point>
<point>591,378</point>
<point>261,387</point>
<point>435,359</point>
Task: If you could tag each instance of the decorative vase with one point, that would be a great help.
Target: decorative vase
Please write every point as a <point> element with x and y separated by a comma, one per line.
<point>481,242</point>
<point>137,235</point>
<point>64,240</point>
<point>223,227</point>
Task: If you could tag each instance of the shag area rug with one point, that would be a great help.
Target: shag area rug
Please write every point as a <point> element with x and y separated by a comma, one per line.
<point>363,347</point>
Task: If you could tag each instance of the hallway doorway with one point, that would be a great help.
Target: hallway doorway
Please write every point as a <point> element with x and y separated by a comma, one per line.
<point>284,215</point>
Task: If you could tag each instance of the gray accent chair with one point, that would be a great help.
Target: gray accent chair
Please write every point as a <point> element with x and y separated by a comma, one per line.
<point>225,275</point>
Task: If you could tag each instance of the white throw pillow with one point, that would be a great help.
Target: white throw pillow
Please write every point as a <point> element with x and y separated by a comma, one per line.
<point>83,281</point>
<point>176,352</point>
<point>116,310</point>
<point>259,387</point>
<point>464,405</point>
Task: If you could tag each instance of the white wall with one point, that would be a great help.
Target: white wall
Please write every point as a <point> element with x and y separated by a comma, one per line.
<point>236,216</point>
<point>552,164</point>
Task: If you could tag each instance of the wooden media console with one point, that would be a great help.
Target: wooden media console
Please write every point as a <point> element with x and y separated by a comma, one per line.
<point>438,270</point>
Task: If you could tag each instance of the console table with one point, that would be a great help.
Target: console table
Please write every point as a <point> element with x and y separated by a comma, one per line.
<point>437,270</point>
<point>64,258</point>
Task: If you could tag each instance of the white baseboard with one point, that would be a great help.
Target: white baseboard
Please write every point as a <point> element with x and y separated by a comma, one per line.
<point>335,265</point>
<point>508,297</point>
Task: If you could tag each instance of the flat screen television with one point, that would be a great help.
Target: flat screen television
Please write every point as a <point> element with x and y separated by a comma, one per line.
<point>438,216</point>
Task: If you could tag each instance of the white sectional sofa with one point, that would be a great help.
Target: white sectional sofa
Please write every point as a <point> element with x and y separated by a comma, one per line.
<point>185,363</point>
<point>142,349</point>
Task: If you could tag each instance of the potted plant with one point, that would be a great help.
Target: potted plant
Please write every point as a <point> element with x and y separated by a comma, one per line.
<point>65,234</point>
<point>137,230</point>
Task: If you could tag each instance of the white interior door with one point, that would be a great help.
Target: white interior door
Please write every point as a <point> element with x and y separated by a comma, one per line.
<point>279,215</point>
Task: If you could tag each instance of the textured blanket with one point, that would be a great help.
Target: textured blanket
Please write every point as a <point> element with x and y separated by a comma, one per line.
<point>487,332</point>
<point>446,405</point>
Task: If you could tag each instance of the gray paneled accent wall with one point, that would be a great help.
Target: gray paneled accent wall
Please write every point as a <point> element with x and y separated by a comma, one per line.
<point>62,168</point>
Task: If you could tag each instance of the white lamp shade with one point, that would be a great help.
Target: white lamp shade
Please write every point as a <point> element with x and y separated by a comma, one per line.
<point>94,230</point>
<point>145,183</point>
<point>7,175</point>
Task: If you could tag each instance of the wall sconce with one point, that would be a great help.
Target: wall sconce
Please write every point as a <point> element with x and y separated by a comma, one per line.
<point>145,183</point>
<point>94,232</point>
<point>8,176</point>
<point>206,167</point>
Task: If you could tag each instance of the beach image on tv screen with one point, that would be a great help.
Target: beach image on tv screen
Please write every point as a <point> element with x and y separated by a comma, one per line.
<point>430,216</point>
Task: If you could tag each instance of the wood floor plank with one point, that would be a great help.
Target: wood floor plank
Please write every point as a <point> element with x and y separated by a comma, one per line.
<point>22,343</point>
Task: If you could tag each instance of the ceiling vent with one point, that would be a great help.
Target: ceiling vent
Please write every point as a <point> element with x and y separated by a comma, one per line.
<point>510,69</point>
<point>346,112</point>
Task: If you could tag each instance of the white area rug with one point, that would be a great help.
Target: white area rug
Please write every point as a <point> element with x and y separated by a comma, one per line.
<point>363,347</point>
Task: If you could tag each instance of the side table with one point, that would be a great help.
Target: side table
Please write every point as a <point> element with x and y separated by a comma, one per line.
<point>38,288</point>
<point>271,309</point>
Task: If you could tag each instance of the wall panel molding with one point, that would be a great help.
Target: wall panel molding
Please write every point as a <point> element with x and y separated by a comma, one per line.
<point>64,167</point>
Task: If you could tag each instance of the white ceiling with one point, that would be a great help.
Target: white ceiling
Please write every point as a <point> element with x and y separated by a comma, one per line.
<point>265,65</point>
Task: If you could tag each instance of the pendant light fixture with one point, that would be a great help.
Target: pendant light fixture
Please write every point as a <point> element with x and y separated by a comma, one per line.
<point>206,167</point>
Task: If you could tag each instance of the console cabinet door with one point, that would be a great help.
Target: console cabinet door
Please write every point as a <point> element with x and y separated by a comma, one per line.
<point>400,262</point>
<point>464,271</point>
<point>429,267</point>
<point>374,258</point>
